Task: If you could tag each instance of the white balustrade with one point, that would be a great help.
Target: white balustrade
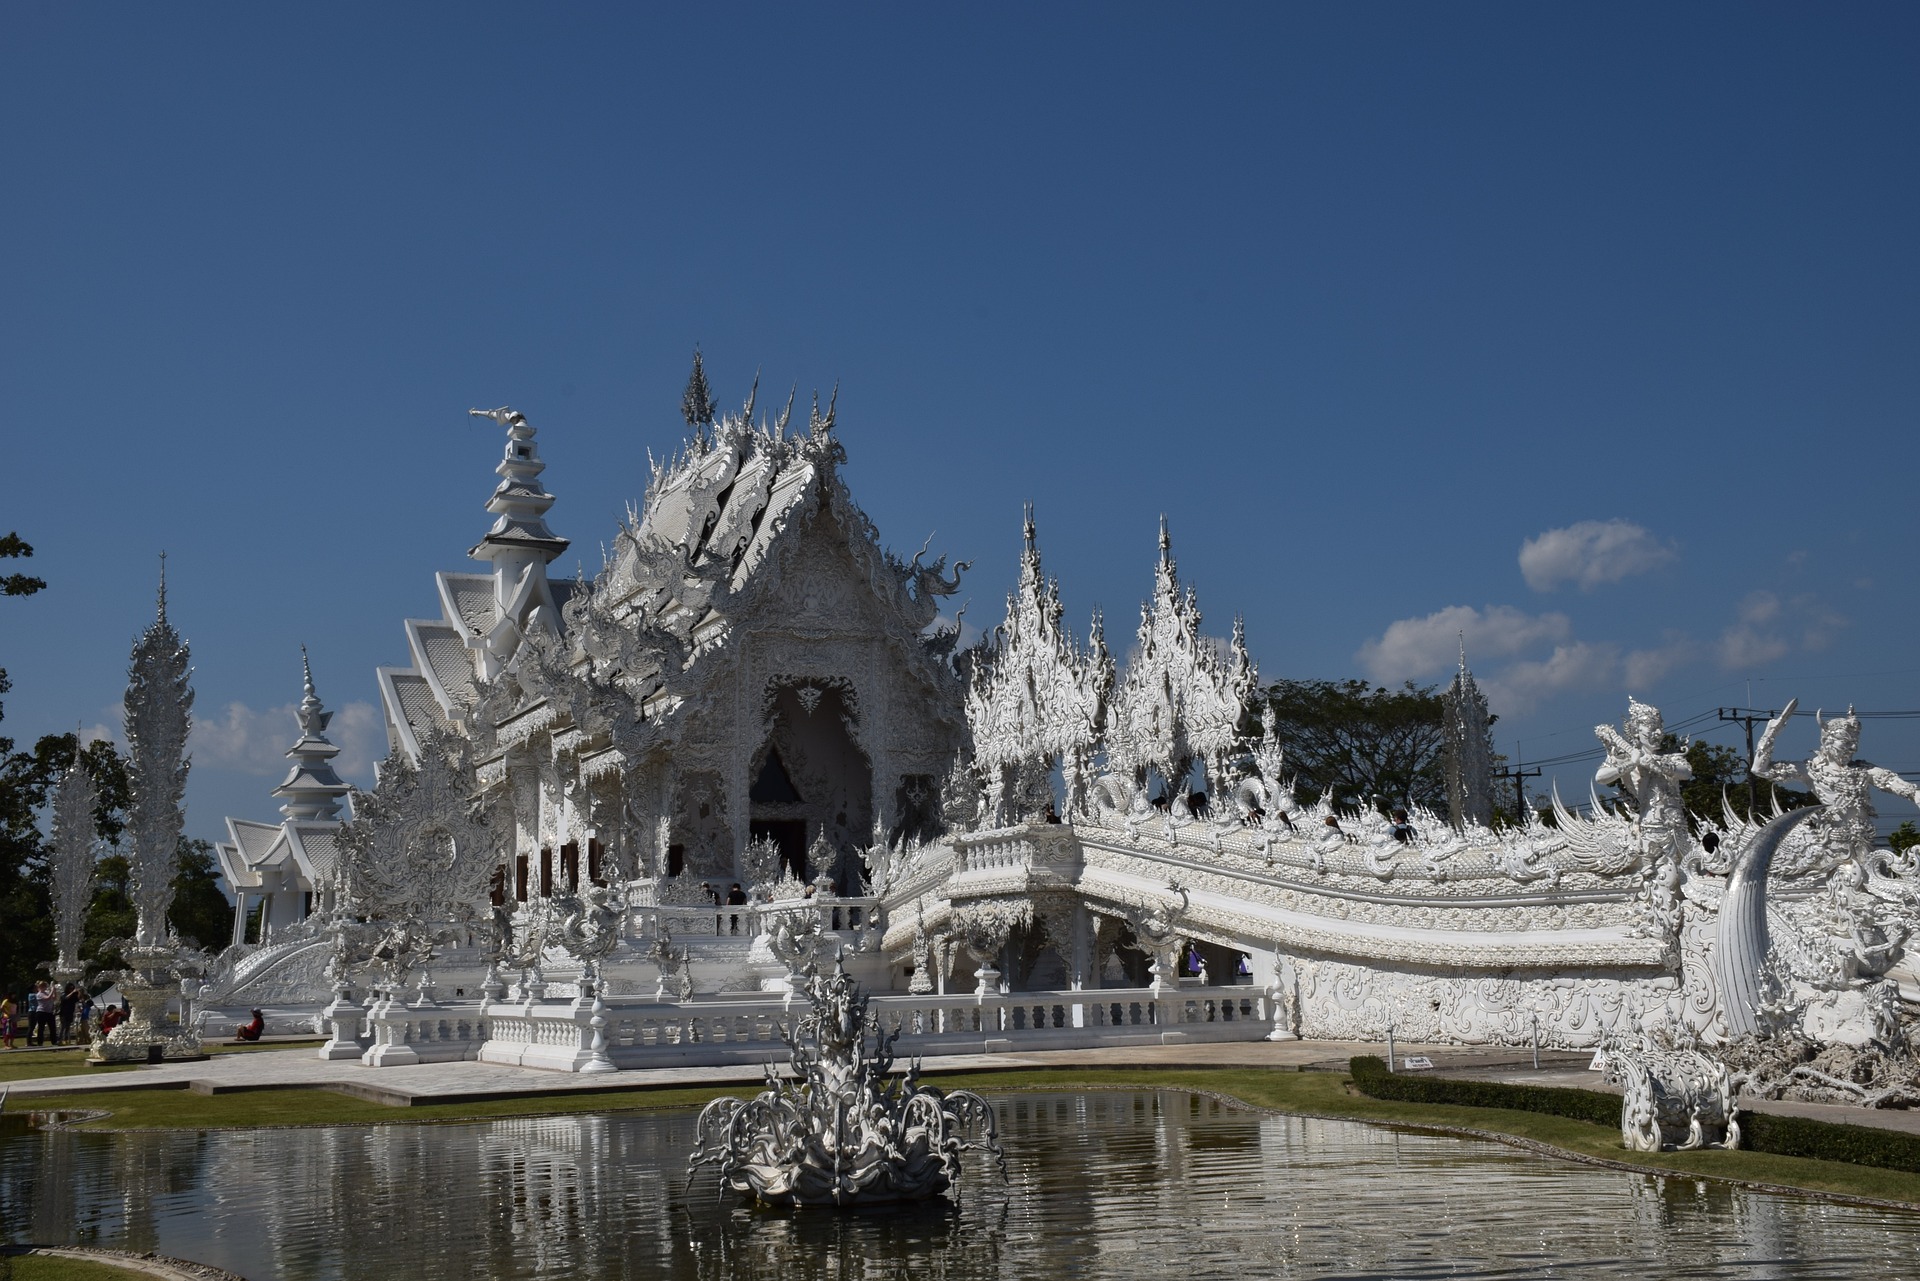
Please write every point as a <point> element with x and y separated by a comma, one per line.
<point>405,1034</point>
<point>639,1032</point>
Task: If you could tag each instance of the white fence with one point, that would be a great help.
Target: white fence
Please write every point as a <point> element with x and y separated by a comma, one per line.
<point>584,1035</point>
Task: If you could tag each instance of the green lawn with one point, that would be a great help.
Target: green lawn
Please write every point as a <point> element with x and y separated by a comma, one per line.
<point>1319,1093</point>
<point>39,1267</point>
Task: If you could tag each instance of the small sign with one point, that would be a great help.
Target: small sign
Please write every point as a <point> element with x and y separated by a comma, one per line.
<point>1417,1063</point>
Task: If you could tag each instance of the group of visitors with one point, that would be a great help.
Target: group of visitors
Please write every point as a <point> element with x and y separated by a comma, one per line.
<point>49,1014</point>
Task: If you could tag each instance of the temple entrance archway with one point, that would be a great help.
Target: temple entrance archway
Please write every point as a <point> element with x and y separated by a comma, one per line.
<point>811,779</point>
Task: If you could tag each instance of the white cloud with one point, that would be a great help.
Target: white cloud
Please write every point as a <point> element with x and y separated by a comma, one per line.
<point>1591,552</point>
<point>1641,669</point>
<point>1767,628</point>
<point>1415,647</point>
<point>1519,687</point>
<point>255,741</point>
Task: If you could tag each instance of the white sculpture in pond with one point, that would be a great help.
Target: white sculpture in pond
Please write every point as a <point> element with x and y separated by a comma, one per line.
<point>843,1131</point>
<point>1673,1099</point>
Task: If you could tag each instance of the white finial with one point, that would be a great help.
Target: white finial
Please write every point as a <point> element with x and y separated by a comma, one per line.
<point>160,609</point>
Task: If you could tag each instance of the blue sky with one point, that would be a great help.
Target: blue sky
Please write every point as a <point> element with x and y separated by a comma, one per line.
<point>1367,299</point>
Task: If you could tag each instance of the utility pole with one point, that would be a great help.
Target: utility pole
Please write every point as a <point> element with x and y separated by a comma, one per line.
<point>1748,717</point>
<point>1519,774</point>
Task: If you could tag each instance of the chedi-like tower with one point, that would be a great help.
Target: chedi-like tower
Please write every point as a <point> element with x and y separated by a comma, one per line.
<point>1469,750</point>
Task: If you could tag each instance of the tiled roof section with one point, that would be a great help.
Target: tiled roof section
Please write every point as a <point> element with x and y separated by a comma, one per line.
<point>234,868</point>
<point>254,839</point>
<point>788,488</point>
<point>467,600</point>
<point>320,844</point>
<point>417,702</point>
<point>441,654</point>
<point>277,853</point>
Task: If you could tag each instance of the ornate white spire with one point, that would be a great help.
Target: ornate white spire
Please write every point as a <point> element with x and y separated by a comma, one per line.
<point>312,789</point>
<point>1178,700</point>
<point>159,703</point>
<point>1468,749</point>
<point>520,546</point>
<point>74,849</point>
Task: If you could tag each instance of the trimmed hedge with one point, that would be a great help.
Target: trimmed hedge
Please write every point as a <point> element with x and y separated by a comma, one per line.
<point>1830,1141</point>
<point>1371,1075</point>
<point>1759,1131</point>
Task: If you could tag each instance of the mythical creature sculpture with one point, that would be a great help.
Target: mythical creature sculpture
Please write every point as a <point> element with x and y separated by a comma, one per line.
<point>589,922</point>
<point>1844,785</point>
<point>1156,929</point>
<point>1652,777</point>
<point>843,1131</point>
<point>1674,1099</point>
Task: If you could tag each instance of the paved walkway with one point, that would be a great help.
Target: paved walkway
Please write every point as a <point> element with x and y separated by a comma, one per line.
<point>467,1082</point>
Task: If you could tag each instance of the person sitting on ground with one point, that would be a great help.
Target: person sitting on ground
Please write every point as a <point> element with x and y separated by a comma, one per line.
<point>110,1020</point>
<point>251,1031</point>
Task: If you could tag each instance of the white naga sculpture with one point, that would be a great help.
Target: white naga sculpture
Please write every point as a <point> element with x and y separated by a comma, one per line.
<point>1844,785</point>
<point>843,1131</point>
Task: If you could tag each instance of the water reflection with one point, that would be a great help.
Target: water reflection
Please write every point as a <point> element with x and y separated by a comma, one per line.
<point>1103,1185</point>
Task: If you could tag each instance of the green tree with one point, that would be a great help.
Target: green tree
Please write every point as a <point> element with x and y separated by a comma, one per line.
<point>26,928</point>
<point>200,914</point>
<point>1362,740</point>
<point>1904,837</point>
<point>27,780</point>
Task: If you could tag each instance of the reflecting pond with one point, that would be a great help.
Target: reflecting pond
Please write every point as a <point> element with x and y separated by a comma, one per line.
<point>1103,1185</point>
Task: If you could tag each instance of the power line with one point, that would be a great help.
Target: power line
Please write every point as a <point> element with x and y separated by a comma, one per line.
<point>1747,716</point>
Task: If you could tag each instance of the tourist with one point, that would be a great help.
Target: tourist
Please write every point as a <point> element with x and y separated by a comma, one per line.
<point>86,1015</point>
<point>69,1002</point>
<point>1402,829</point>
<point>7,1006</point>
<point>251,1031</point>
<point>736,897</point>
<point>36,1016</point>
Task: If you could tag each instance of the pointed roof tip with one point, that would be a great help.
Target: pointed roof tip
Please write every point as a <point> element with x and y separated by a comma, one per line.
<point>306,673</point>
<point>1027,526</point>
<point>1166,539</point>
<point>1463,651</point>
<point>160,598</point>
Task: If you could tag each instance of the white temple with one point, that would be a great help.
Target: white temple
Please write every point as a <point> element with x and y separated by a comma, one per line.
<point>754,691</point>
